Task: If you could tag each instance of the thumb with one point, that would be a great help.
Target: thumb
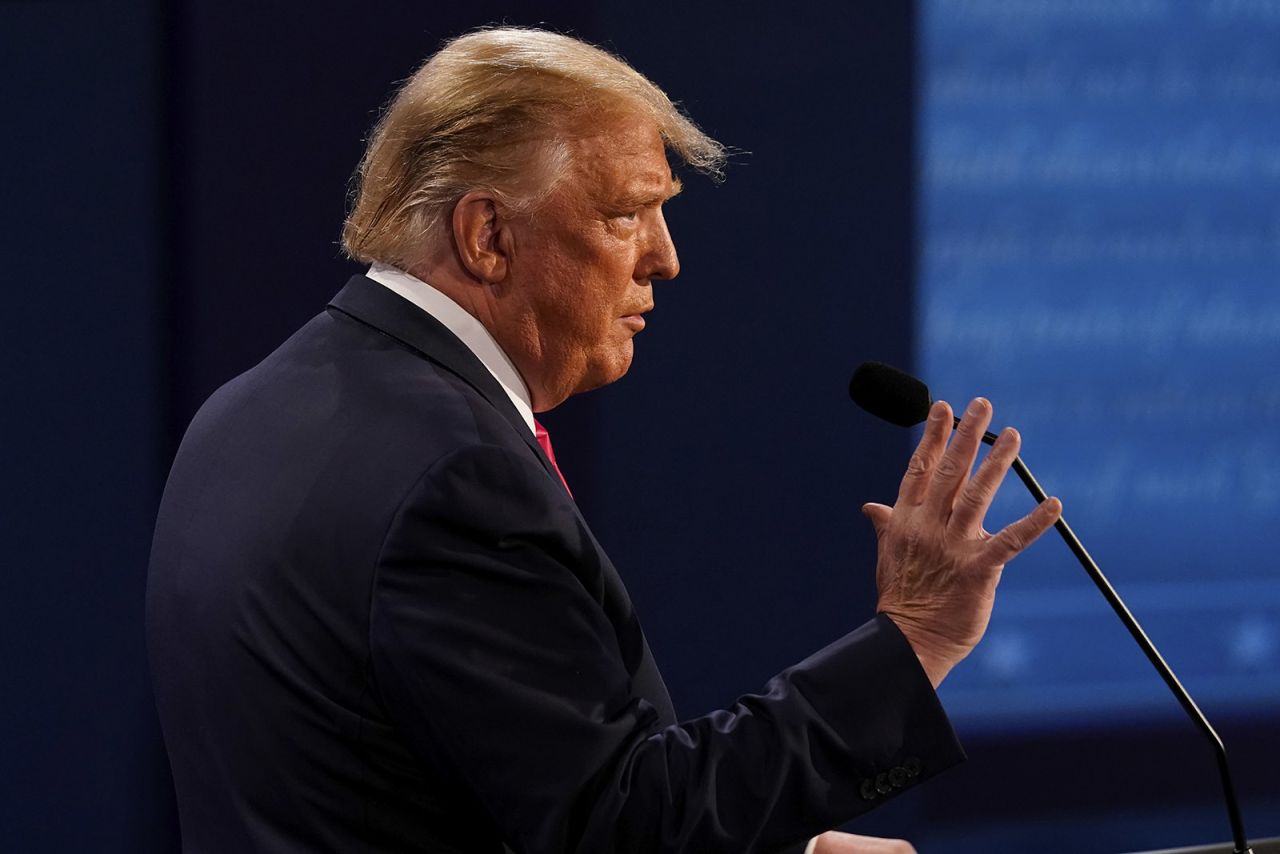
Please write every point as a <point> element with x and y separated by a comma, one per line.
<point>879,515</point>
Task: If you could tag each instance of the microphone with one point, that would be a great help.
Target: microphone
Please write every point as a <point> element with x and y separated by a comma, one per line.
<point>901,399</point>
<point>888,393</point>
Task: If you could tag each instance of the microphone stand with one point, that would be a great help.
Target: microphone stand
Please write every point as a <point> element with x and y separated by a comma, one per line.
<point>1241,842</point>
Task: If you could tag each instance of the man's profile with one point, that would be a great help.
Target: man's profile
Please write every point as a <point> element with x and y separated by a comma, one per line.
<point>376,618</point>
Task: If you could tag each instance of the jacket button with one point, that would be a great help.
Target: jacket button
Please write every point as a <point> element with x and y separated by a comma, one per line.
<point>867,790</point>
<point>882,784</point>
<point>897,776</point>
<point>912,767</point>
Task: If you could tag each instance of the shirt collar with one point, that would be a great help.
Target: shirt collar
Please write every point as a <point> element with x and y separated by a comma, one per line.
<point>461,323</point>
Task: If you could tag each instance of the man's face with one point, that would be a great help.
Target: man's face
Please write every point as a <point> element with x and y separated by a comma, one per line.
<point>582,265</point>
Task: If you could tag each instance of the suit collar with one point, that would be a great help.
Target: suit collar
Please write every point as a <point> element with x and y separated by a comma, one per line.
<point>393,315</point>
<point>469,329</point>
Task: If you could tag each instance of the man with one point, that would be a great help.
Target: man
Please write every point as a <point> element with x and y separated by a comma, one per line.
<point>378,622</point>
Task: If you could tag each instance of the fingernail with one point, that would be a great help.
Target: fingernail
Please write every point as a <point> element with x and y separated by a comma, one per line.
<point>938,411</point>
<point>977,405</point>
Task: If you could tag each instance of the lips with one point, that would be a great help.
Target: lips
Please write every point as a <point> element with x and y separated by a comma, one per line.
<point>634,317</point>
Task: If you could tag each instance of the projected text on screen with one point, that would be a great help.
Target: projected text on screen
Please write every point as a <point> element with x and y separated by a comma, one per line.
<point>1100,255</point>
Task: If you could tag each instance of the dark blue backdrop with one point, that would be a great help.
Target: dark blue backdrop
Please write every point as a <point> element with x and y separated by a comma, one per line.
<point>176,178</point>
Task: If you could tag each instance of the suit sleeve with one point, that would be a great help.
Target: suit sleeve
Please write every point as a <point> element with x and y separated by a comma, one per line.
<point>493,654</point>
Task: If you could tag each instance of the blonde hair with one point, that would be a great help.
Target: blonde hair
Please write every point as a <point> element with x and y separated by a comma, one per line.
<point>491,110</point>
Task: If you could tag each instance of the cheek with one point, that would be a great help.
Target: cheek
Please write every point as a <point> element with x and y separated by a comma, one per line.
<point>573,317</point>
<point>583,290</point>
<point>597,301</point>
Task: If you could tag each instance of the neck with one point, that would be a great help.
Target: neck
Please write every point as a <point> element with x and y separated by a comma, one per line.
<point>493,306</point>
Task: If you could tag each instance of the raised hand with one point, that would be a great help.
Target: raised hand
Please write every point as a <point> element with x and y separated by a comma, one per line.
<point>937,567</point>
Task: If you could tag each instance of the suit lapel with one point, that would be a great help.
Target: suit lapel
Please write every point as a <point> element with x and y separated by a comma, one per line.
<point>380,308</point>
<point>373,305</point>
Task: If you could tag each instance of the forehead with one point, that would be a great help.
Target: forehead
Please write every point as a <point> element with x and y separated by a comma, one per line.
<point>625,159</point>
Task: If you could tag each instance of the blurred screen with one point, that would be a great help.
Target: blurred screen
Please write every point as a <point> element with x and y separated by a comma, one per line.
<point>1100,256</point>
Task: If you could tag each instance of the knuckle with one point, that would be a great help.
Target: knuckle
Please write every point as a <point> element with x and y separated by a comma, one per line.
<point>918,465</point>
<point>975,497</point>
<point>992,472</point>
<point>1002,454</point>
<point>1015,539</point>
<point>949,467</point>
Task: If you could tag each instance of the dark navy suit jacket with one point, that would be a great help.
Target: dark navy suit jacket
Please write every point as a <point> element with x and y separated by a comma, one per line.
<point>378,623</point>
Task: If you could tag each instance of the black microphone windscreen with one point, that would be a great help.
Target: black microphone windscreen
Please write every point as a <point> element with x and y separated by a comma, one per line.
<point>891,394</point>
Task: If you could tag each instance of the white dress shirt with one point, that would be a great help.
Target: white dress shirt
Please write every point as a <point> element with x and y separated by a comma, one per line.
<point>462,324</point>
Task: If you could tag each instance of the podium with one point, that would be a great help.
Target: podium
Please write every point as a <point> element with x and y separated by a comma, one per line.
<point>1261,846</point>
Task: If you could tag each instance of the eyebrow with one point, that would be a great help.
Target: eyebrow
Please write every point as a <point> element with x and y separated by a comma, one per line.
<point>645,197</point>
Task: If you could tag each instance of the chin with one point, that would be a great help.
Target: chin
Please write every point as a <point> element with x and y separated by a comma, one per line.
<point>622,363</point>
<point>608,370</point>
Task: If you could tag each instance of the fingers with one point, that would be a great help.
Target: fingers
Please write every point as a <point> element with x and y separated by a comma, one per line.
<point>975,497</point>
<point>915,483</point>
<point>956,463</point>
<point>1010,542</point>
<point>879,516</point>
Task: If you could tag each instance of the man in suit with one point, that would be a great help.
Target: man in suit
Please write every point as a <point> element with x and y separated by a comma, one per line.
<point>377,620</point>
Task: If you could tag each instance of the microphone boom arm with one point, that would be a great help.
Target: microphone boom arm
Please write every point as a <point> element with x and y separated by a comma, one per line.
<point>1241,842</point>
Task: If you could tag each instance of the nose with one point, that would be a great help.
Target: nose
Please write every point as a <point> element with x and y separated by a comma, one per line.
<point>661,260</point>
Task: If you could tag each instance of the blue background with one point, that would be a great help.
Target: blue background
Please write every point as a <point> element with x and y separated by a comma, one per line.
<point>1100,248</point>
<point>173,194</point>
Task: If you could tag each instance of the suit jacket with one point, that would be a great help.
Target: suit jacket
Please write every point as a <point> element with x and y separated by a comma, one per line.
<point>378,623</point>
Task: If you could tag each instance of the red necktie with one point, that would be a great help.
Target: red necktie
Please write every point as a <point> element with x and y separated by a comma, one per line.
<point>544,442</point>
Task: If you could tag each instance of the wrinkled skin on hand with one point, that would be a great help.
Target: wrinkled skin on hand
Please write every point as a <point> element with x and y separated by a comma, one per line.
<point>937,567</point>
<point>835,842</point>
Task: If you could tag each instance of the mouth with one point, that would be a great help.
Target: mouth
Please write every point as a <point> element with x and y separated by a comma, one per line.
<point>636,319</point>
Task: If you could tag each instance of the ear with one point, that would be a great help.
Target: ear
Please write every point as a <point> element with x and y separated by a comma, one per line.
<point>478,234</point>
